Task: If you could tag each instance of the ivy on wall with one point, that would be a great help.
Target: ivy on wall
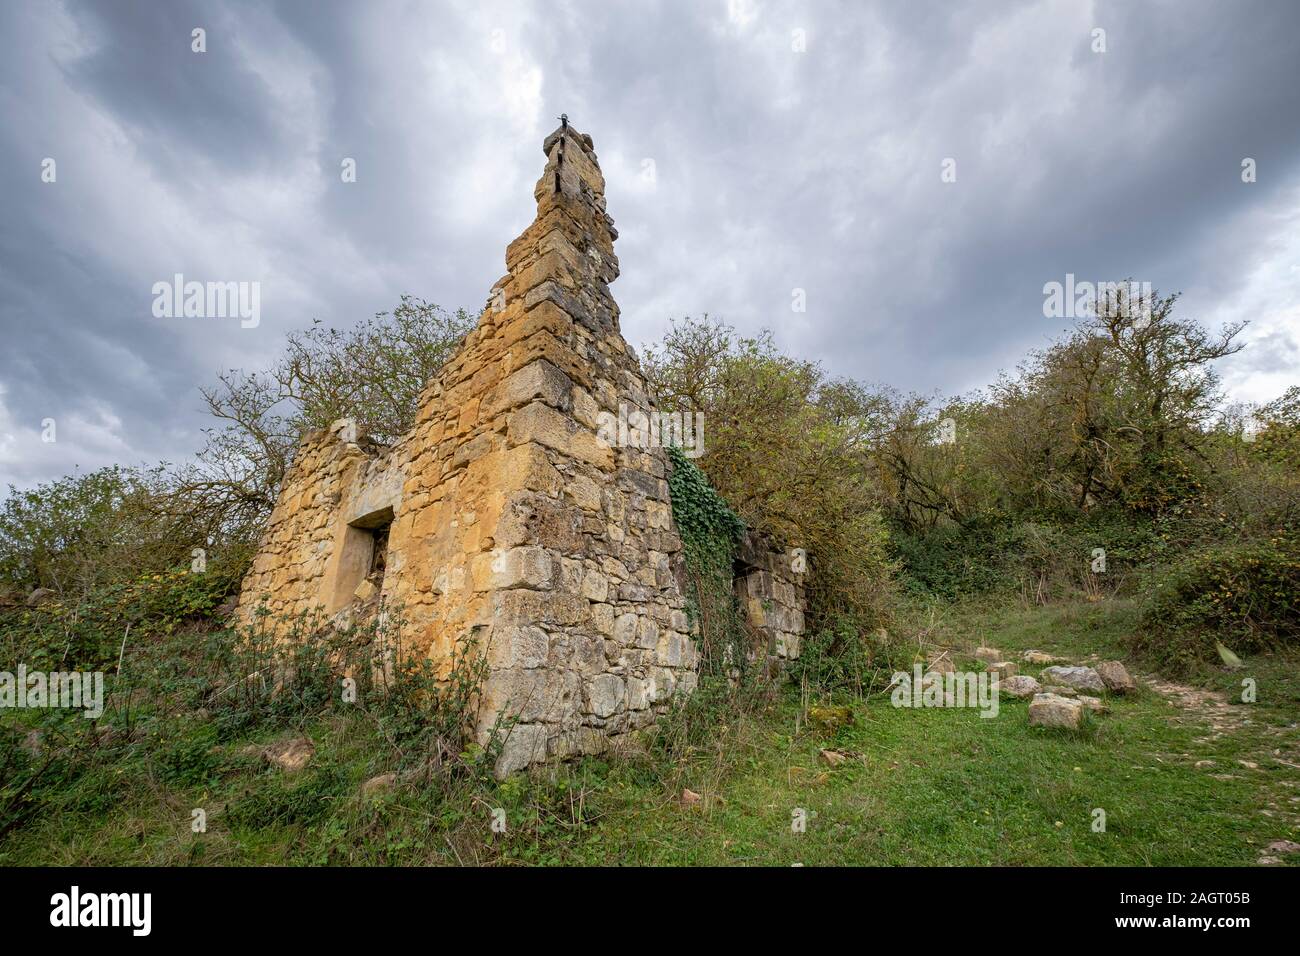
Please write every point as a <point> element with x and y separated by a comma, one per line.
<point>709,529</point>
<point>711,533</point>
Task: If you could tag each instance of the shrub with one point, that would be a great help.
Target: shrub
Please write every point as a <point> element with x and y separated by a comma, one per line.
<point>1245,595</point>
<point>1037,559</point>
<point>187,759</point>
<point>844,658</point>
<point>87,531</point>
<point>265,677</point>
<point>91,634</point>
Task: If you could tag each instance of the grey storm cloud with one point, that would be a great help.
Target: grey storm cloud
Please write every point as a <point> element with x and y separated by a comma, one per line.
<point>751,149</point>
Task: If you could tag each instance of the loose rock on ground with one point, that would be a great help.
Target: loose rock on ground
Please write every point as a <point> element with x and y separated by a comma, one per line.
<point>1076,676</point>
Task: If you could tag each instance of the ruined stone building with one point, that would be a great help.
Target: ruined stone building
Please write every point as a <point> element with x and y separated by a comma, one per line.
<point>507,516</point>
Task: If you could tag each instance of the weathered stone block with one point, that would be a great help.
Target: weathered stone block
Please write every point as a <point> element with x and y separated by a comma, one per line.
<point>1048,710</point>
<point>579,741</point>
<point>524,567</point>
<point>604,695</point>
<point>668,649</point>
<point>1116,677</point>
<point>602,617</point>
<point>1078,677</point>
<point>523,647</point>
<point>540,423</point>
<point>640,693</point>
<point>544,607</point>
<point>543,316</point>
<point>527,467</point>
<point>1020,685</point>
<point>540,381</point>
<point>595,586</point>
<point>525,744</point>
<point>647,633</point>
<point>584,492</point>
<point>625,628</point>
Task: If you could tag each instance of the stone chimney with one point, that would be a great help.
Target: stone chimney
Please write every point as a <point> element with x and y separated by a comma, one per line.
<point>510,515</point>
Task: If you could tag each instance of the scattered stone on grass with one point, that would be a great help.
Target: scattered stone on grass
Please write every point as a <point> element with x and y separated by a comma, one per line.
<point>1019,686</point>
<point>41,596</point>
<point>1272,854</point>
<point>834,758</point>
<point>1116,677</point>
<point>941,665</point>
<point>290,755</point>
<point>1076,676</point>
<point>376,784</point>
<point>1052,710</point>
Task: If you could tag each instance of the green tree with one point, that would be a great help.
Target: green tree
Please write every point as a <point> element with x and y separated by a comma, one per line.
<point>83,531</point>
<point>788,448</point>
<point>373,372</point>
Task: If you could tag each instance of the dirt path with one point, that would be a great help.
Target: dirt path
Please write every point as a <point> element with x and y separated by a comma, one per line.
<point>1271,762</point>
<point>1203,706</point>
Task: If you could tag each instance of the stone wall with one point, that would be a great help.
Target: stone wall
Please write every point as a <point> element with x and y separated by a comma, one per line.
<point>769,582</point>
<point>304,557</point>
<point>510,518</point>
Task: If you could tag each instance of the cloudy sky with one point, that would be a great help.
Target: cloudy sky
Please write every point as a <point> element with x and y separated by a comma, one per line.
<point>793,146</point>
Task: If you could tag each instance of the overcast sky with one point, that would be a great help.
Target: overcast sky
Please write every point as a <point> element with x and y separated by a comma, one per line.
<point>792,145</point>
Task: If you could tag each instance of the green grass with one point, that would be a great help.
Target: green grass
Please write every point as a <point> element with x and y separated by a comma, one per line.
<point>932,787</point>
<point>951,788</point>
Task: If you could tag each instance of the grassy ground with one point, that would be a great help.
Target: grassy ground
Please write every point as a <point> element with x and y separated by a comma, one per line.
<point>943,787</point>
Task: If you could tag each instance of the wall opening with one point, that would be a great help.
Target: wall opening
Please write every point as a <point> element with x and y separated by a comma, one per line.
<point>379,554</point>
<point>362,555</point>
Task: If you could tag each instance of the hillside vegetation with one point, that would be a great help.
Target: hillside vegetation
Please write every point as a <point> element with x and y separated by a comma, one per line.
<point>1101,500</point>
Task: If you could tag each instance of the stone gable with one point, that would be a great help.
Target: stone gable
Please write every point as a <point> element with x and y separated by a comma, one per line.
<point>506,514</point>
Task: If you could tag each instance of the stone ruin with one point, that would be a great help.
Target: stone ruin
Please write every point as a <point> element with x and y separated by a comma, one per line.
<point>511,514</point>
<point>769,584</point>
